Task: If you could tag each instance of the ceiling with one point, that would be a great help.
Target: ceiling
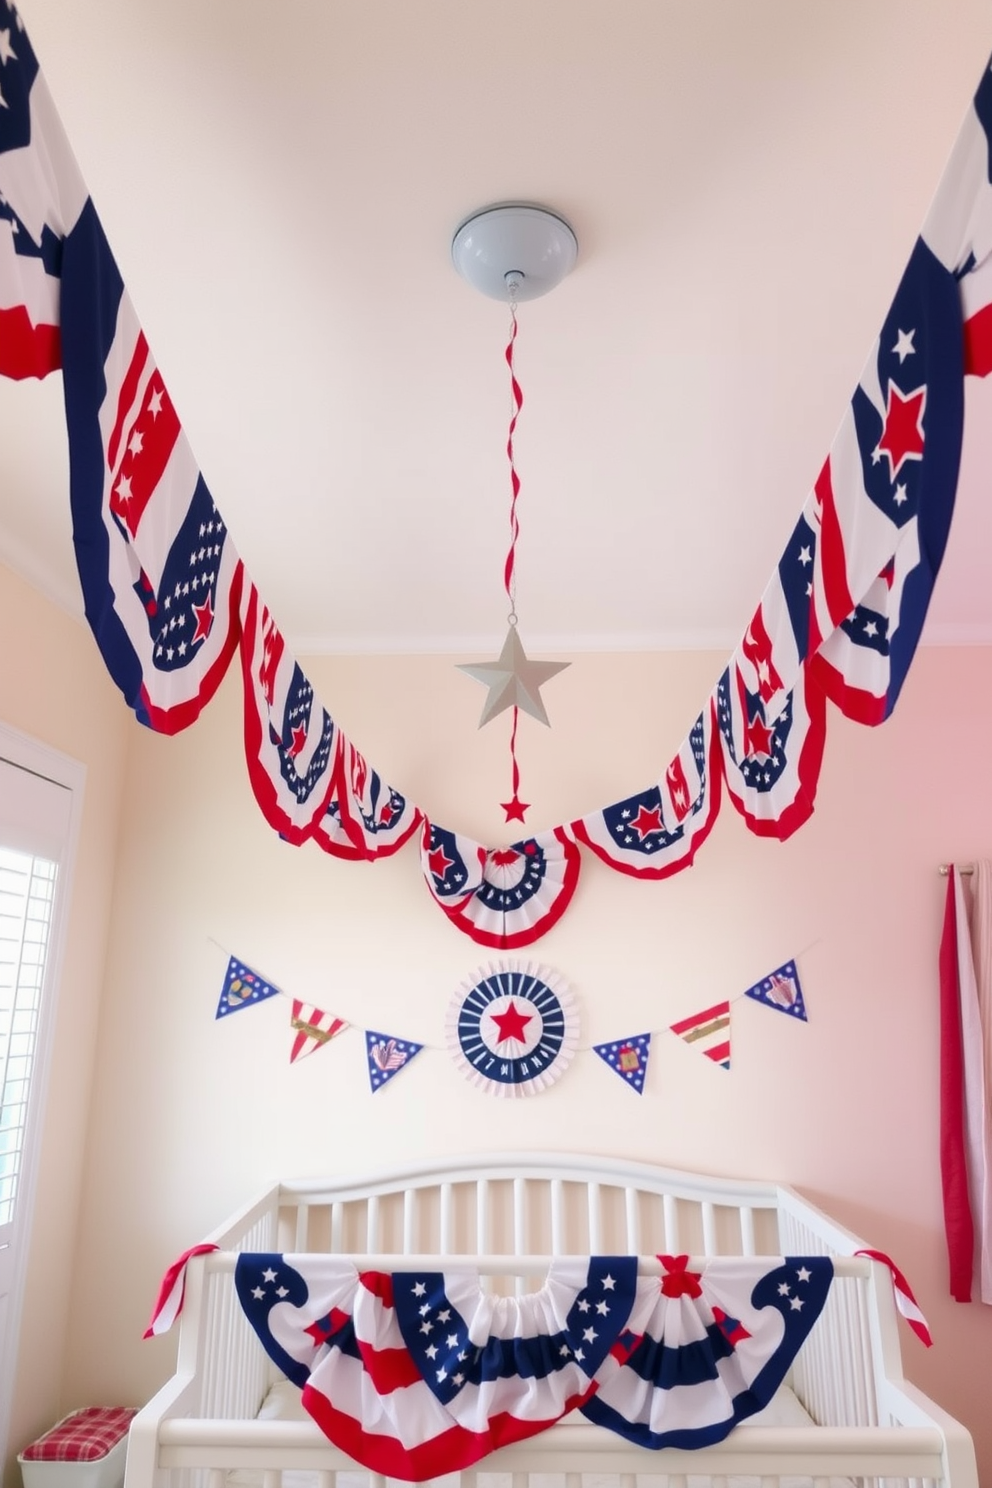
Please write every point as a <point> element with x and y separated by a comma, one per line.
<point>280,184</point>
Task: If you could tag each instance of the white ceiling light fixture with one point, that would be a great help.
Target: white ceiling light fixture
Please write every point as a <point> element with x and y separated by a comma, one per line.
<point>514,250</point>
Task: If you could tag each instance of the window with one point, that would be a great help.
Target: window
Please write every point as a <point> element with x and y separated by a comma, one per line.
<point>40,804</point>
<point>27,893</point>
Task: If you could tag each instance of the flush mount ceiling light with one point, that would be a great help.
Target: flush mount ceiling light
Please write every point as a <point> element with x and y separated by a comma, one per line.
<point>514,250</point>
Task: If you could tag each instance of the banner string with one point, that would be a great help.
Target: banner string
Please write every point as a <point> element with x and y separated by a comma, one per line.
<point>582,1048</point>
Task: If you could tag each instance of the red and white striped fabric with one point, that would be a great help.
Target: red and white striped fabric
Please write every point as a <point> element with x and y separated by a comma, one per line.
<point>771,769</point>
<point>172,1292</point>
<point>708,1031</point>
<point>292,744</point>
<point>41,184</point>
<point>853,673</point>
<point>978,1135</point>
<point>905,1301</point>
<point>959,1225</point>
<point>658,831</point>
<point>156,553</point>
<point>418,1375</point>
<point>313,1028</point>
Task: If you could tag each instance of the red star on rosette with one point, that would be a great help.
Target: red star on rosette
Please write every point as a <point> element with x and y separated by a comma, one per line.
<point>439,863</point>
<point>512,1024</point>
<point>902,436</point>
<point>646,822</point>
<point>299,741</point>
<point>386,815</point>
<point>204,619</point>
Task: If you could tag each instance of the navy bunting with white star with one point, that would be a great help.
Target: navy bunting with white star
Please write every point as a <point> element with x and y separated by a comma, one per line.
<point>170,603</point>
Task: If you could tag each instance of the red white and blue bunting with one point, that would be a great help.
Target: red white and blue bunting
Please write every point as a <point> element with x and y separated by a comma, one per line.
<point>169,601</point>
<point>416,1374</point>
<point>512,1027</point>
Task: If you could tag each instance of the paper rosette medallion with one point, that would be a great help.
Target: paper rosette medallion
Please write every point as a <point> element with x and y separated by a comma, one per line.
<point>512,1028</point>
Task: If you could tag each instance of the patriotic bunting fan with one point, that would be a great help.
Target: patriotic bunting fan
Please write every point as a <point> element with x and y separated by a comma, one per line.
<point>513,1028</point>
<point>170,603</point>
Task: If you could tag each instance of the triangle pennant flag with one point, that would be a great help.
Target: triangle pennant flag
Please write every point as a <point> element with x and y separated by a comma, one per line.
<point>629,1058</point>
<point>781,990</point>
<point>709,1031</point>
<point>387,1056</point>
<point>313,1029</point>
<point>242,988</point>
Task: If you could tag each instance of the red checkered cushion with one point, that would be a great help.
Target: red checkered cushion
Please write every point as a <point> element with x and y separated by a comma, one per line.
<point>85,1436</point>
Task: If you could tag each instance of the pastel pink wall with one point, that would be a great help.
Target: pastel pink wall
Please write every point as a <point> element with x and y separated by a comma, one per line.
<point>54,687</point>
<point>190,1115</point>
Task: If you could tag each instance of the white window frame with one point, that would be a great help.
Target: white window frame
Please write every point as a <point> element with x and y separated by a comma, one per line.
<point>20,749</point>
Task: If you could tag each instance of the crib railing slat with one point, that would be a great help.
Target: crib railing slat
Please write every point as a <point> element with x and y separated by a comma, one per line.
<point>710,1245</point>
<point>372,1220</point>
<point>446,1221</point>
<point>670,1210</point>
<point>520,1228</point>
<point>557,1217</point>
<point>410,1212</point>
<point>482,1215</point>
<point>594,1209</point>
<point>632,1216</point>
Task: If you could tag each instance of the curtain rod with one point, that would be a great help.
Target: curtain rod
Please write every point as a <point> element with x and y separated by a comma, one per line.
<point>945,869</point>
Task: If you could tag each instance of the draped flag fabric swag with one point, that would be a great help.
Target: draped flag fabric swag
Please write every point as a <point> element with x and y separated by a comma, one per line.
<point>170,602</point>
<point>416,1374</point>
<point>965,1122</point>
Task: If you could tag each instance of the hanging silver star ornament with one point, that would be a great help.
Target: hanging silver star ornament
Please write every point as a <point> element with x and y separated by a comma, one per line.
<point>514,681</point>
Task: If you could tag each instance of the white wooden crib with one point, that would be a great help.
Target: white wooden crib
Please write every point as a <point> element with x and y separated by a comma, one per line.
<point>510,1213</point>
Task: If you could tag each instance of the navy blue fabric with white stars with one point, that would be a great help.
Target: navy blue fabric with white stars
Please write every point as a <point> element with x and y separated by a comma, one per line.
<point>437,1335</point>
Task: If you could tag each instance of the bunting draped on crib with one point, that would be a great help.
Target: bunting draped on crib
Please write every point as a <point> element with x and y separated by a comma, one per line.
<point>170,602</point>
<point>415,1374</point>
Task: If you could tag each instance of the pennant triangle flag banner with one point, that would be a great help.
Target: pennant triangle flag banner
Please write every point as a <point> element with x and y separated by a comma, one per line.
<point>629,1058</point>
<point>242,988</point>
<point>313,1029</point>
<point>709,1032</point>
<point>387,1056</point>
<point>781,990</point>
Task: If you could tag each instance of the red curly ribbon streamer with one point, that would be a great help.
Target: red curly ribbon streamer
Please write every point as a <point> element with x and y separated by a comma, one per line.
<point>514,808</point>
<point>518,402</point>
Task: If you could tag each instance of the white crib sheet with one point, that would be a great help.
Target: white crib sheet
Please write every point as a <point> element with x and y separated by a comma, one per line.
<point>283,1403</point>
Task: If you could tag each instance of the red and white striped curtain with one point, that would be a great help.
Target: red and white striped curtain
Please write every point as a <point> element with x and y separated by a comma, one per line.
<point>966,1082</point>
